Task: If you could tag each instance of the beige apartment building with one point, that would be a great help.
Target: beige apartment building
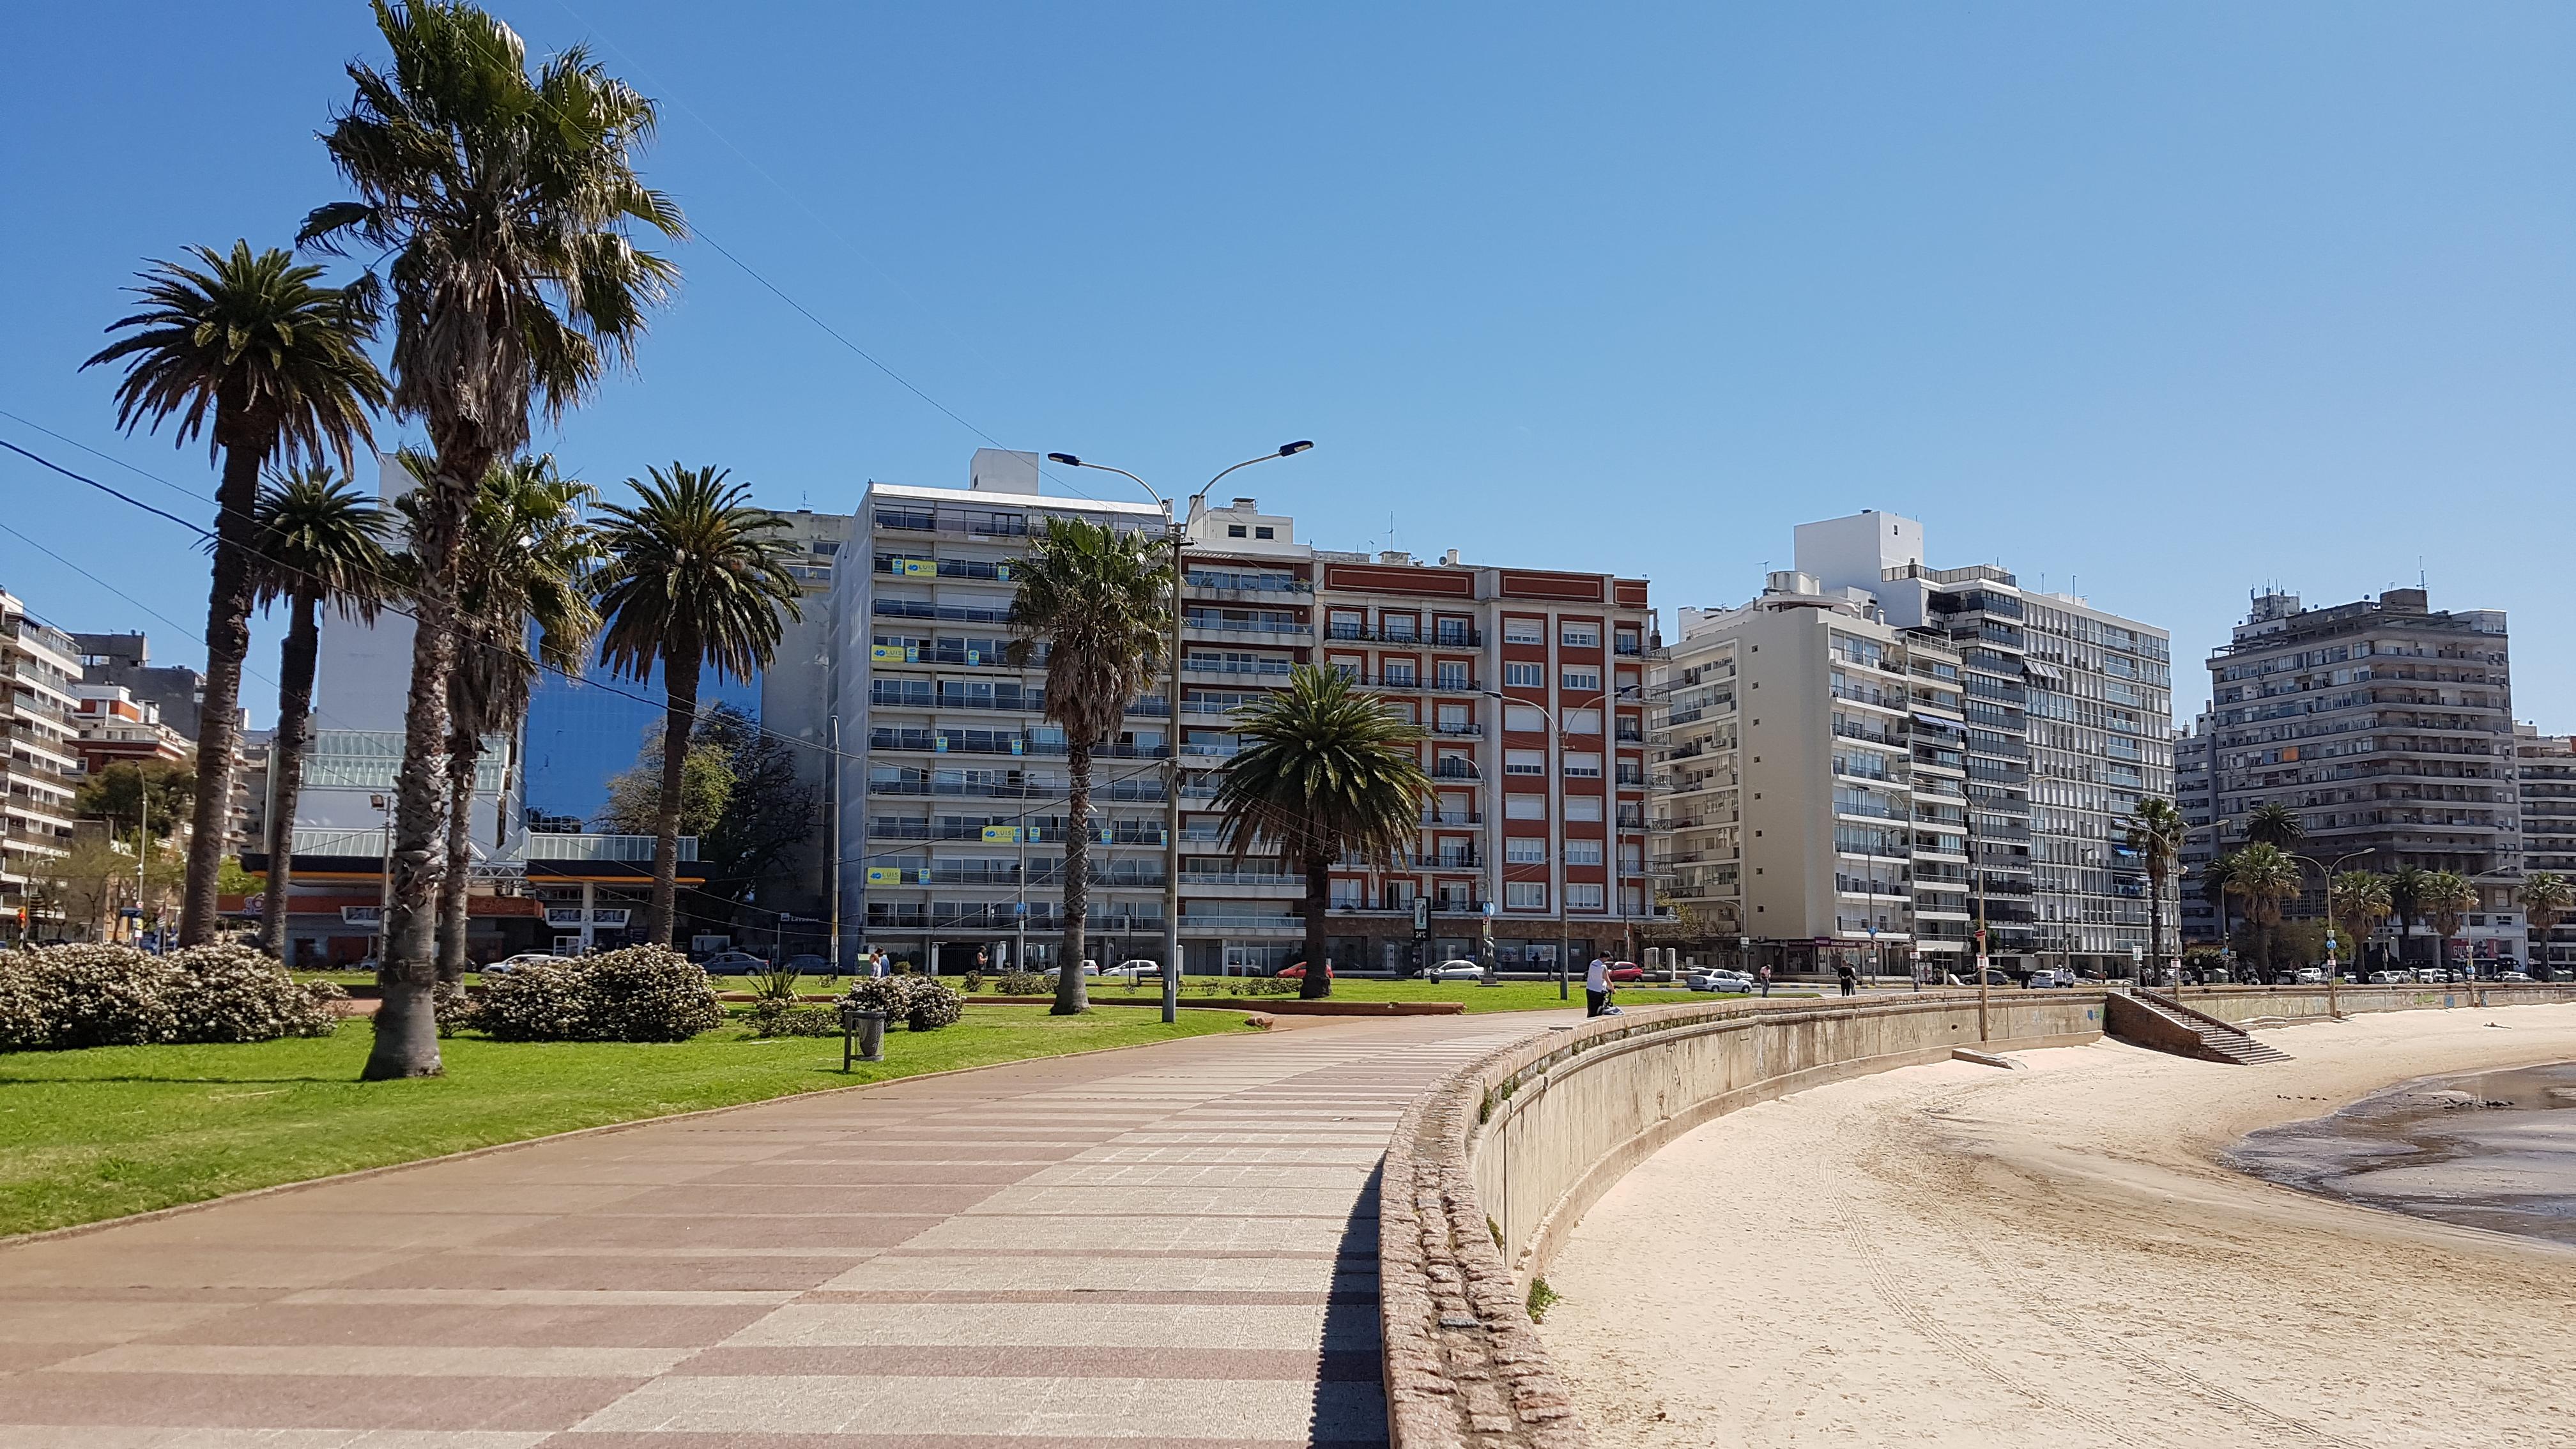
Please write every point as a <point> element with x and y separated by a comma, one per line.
<point>41,667</point>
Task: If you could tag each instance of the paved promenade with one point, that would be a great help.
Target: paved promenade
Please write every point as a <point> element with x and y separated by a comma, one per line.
<point>1173,1245</point>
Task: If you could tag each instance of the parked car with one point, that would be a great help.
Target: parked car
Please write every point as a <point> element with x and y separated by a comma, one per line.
<point>1718,978</point>
<point>1136,970</point>
<point>508,964</point>
<point>1089,968</point>
<point>1996,976</point>
<point>1627,971</point>
<point>2310,976</point>
<point>1455,970</point>
<point>2385,978</point>
<point>2514,976</point>
<point>1298,971</point>
<point>809,965</point>
<point>734,963</point>
<point>2047,977</point>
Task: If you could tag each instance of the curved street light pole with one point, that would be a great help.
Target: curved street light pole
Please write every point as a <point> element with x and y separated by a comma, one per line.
<point>1175,532</point>
<point>2325,876</point>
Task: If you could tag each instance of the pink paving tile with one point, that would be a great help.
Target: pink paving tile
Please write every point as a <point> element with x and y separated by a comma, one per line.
<point>259,1401</point>
<point>533,1325</point>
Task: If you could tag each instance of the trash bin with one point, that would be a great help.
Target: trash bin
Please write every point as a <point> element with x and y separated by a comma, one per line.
<point>862,1033</point>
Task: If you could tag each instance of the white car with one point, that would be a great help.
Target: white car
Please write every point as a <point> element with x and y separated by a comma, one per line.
<point>2515,976</point>
<point>525,958</point>
<point>2310,976</point>
<point>1719,978</point>
<point>1089,968</point>
<point>1455,971</point>
<point>1136,970</point>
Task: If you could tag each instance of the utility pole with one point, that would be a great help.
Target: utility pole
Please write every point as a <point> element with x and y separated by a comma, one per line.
<point>143,844</point>
<point>1980,872</point>
<point>834,855</point>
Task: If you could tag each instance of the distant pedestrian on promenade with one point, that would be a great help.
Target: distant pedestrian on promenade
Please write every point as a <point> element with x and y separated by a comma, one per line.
<point>1596,987</point>
<point>1766,980</point>
<point>1843,973</point>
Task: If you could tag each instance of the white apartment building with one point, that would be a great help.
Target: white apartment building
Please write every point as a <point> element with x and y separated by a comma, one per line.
<point>951,784</point>
<point>40,666</point>
<point>1810,784</point>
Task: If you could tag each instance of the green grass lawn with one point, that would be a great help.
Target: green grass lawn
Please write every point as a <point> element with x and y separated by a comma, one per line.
<point>94,1134</point>
<point>1509,996</point>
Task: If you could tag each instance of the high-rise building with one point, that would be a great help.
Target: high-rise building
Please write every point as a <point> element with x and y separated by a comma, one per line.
<point>951,790</point>
<point>2196,797</point>
<point>124,661</point>
<point>1810,784</point>
<point>41,666</point>
<point>2388,728</point>
<point>2546,765</point>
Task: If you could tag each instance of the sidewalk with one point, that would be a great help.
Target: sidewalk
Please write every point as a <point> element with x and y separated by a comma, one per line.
<point>1169,1245</point>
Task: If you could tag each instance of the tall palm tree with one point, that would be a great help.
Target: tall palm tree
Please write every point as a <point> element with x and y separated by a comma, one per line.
<point>509,202</point>
<point>2263,876</point>
<point>2155,833</point>
<point>2274,824</point>
<point>2448,898</point>
<point>1325,773</point>
<point>278,364</point>
<point>2358,902</point>
<point>695,576</point>
<point>2409,890</point>
<point>522,569</point>
<point>2546,898</point>
<point>318,542</point>
<point>1097,604</point>
<point>2213,889</point>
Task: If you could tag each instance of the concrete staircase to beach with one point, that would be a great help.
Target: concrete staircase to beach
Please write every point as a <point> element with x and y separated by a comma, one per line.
<point>2165,1024</point>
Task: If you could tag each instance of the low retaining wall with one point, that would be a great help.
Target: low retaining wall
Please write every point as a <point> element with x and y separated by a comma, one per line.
<point>2303,1003</point>
<point>1489,1171</point>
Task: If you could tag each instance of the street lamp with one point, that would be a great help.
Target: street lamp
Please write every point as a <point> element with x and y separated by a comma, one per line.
<point>2325,876</point>
<point>1175,532</point>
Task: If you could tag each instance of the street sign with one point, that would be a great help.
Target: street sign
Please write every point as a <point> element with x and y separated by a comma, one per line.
<point>1421,916</point>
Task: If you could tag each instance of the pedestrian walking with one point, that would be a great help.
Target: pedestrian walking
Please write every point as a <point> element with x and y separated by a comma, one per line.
<point>1843,972</point>
<point>1596,987</point>
<point>1766,980</point>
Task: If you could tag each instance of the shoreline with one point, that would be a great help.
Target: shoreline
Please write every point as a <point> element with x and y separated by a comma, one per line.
<point>1950,1254</point>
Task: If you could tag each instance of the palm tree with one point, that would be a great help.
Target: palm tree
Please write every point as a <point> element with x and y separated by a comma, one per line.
<point>2448,898</point>
<point>2213,889</point>
<point>508,202</point>
<point>2408,891</point>
<point>1096,604</point>
<point>522,566</point>
<point>2274,824</point>
<point>2358,902</point>
<point>278,362</point>
<point>317,541</point>
<point>2263,876</point>
<point>695,576</point>
<point>1326,773</point>
<point>2546,898</point>
<point>2155,833</point>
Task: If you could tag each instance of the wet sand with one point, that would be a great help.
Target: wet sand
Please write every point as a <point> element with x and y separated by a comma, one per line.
<point>2061,1257</point>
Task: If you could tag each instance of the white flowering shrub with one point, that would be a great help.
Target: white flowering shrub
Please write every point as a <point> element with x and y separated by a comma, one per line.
<point>919,1002</point>
<point>22,1011</point>
<point>234,993</point>
<point>642,993</point>
<point>98,995</point>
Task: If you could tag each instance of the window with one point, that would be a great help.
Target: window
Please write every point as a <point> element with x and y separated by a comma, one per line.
<point>1455,716</point>
<point>1456,631</point>
<point>1583,721</point>
<point>1582,678</point>
<point>1349,668</point>
<point>1265,531</point>
<point>1395,626</point>
<point>1627,640</point>
<point>1452,674</point>
<point>1583,852</point>
<point>1582,807</point>
<point>1399,671</point>
<point>1526,807</point>
<point>1525,676</point>
<point>1525,895</point>
<point>1524,762</point>
<point>1582,895</point>
<point>1584,766</point>
<point>1524,631</point>
<point>1522,719</point>
<point>1234,530</point>
<point>1580,636</point>
<point>1346,626</point>
<point>1525,849</point>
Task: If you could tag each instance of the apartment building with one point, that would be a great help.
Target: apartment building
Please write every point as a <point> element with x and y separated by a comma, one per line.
<point>117,728</point>
<point>951,787</point>
<point>2388,727</point>
<point>2195,796</point>
<point>1810,784</point>
<point>41,667</point>
<point>2546,767</point>
<point>2069,714</point>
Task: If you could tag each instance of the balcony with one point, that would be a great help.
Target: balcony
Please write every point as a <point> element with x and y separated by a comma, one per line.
<point>1453,817</point>
<point>1273,668</point>
<point>1456,770</point>
<point>632,849</point>
<point>1458,729</point>
<point>1229,582</point>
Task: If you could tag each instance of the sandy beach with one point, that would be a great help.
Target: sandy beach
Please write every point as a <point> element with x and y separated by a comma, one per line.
<point>1959,1255</point>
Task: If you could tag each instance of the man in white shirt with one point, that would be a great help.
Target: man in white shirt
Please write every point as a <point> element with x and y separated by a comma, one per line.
<point>1596,987</point>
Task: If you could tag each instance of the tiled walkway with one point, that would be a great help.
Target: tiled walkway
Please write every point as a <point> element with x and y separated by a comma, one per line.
<point>1175,1246</point>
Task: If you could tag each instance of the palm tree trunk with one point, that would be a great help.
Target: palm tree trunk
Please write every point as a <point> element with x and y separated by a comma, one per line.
<point>679,715</point>
<point>295,662</point>
<point>1072,994</point>
<point>1319,900</point>
<point>464,751</point>
<point>406,1021</point>
<point>2153,971</point>
<point>219,716</point>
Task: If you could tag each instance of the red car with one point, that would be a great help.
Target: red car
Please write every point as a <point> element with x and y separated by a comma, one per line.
<point>1298,971</point>
<point>1627,971</point>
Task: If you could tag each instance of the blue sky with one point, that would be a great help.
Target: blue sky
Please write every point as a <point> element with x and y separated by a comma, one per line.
<point>2170,300</point>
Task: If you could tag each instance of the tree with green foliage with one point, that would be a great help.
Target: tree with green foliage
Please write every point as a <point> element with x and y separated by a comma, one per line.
<point>2264,876</point>
<point>2358,901</point>
<point>2274,824</point>
<point>2156,833</point>
<point>134,793</point>
<point>2448,898</point>
<point>1095,603</point>
<point>508,202</point>
<point>2409,892</point>
<point>1326,773</point>
<point>2547,897</point>
<point>319,543</point>
<point>249,342</point>
<point>635,794</point>
<point>696,577</point>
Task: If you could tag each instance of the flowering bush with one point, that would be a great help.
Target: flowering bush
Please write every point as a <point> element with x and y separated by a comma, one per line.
<point>785,1018</point>
<point>22,1009</point>
<point>452,1007</point>
<point>919,1002</point>
<point>642,993</point>
<point>98,995</point>
<point>233,993</point>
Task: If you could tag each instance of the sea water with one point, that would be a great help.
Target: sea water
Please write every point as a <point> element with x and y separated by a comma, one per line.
<point>2486,1150</point>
